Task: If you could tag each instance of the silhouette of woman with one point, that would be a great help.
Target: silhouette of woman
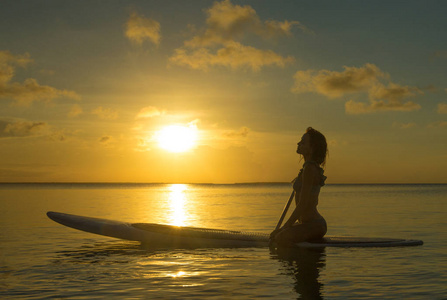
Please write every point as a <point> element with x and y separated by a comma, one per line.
<point>306,223</point>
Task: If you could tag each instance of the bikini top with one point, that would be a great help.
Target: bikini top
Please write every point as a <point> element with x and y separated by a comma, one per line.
<point>298,182</point>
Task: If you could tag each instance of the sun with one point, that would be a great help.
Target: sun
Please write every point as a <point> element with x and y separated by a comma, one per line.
<point>177,138</point>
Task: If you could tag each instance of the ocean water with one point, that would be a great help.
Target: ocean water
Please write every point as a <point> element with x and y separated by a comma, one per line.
<point>40,259</point>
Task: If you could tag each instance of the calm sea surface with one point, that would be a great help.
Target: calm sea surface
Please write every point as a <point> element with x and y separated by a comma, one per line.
<point>40,259</point>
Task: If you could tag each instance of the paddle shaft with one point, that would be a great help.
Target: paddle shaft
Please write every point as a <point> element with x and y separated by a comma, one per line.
<point>286,208</point>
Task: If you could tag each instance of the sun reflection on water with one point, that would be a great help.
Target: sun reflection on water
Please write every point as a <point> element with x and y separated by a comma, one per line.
<point>178,274</point>
<point>177,202</point>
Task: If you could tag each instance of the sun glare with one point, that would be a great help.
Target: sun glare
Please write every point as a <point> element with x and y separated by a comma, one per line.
<point>178,200</point>
<point>177,138</point>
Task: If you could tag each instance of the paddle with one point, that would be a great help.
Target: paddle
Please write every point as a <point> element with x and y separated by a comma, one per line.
<point>284,212</point>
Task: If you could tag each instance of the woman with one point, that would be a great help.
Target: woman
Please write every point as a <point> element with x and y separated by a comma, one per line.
<point>305,222</point>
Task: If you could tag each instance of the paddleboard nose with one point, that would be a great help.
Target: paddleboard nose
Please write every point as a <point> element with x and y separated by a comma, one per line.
<point>51,215</point>
<point>54,216</point>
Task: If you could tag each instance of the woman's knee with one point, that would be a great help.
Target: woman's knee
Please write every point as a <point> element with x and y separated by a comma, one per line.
<point>289,236</point>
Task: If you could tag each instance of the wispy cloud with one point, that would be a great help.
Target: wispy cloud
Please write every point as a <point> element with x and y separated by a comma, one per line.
<point>353,107</point>
<point>404,125</point>
<point>20,128</point>
<point>139,29</point>
<point>337,84</point>
<point>234,55</point>
<point>393,92</point>
<point>28,91</point>
<point>7,62</point>
<point>383,94</point>
<point>241,133</point>
<point>227,22</point>
<point>148,112</point>
<point>105,113</point>
<point>75,111</point>
<point>385,98</point>
<point>10,128</point>
<point>440,54</point>
<point>219,44</point>
<point>107,141</point>
<point>438,124</point>
<point>442,108</point>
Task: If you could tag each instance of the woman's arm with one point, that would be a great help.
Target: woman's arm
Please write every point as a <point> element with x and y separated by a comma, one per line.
<point>303,199</point>
<point>310,172</point>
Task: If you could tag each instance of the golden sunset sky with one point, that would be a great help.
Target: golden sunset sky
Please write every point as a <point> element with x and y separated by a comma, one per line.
<point>86,87</point>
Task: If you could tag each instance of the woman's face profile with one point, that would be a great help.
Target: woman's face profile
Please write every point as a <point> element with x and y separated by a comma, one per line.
<point>304,147</point>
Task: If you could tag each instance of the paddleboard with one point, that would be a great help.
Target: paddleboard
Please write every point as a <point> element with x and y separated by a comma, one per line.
<point>159,235</point>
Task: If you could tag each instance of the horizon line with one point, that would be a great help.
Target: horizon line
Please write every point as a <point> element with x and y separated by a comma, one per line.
<point>211,183</point>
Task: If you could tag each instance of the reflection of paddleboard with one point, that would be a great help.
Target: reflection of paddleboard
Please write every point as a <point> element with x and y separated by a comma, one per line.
<point>157,235</point>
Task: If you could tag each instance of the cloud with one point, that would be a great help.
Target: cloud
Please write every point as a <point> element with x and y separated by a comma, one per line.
<point>442,108</point>
<point>75,111</point>
<point>139,29</point>
<point>393,92</point>
<point>10,128</point>
<point>107,141</point>
<point>149,112</point>
<point>367,79</point>
<point>47,72</point>
<point>227,22</point>
<point>31,91</point>
<point>438,124</point>
<point>105,113</point>
<point>18,128</point>
<point>219,44</point>
<point>383,98</point>
<point>354,108</point>
<point>234,55</point>
<point>28,91</point>
<point>404,125</point>
<point>337,84</point>
<point>440,54</point>
<point>275,28</point>
<point>59,135</point>
<point>7,62</point>
<point>242,132</point>
<point>430,88</point>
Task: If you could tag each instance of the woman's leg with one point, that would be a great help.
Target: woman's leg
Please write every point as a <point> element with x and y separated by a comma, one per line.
<point>301,233</point>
